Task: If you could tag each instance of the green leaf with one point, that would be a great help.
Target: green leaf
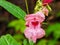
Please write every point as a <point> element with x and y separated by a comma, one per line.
<point>42,42</point>
<point>13,23</point>
<point>55,29</point>
<point>49,30</point>
<point>18,25</point>
<point>31,42</point>
<point>18,37</point>
<point>13,9</point>
<point>8,40</point>
<point>25,42</point>
<point>52,42</point>
<point>57,34</point>
<point>47,42</point>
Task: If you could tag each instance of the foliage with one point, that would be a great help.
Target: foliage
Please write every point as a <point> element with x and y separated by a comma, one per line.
<point>14,10</point>
<point>31,43</point>
<point>52,42</point>
<point>25,42</point>
<point>18,25</point>
<point>19,37</point>
<point>42,42</point>
<point>55,29</point>
<point>47,42</point>
<point>8,40</point>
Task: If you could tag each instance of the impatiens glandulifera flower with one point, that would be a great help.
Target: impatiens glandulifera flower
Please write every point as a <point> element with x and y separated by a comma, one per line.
<point>33,29</point>
<point>45,2</point>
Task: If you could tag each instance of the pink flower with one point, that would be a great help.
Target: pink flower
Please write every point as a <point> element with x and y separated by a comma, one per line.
<point>33,30</point>
<point>35,19</point>
<point>34,34</point>
<point>45,2</point>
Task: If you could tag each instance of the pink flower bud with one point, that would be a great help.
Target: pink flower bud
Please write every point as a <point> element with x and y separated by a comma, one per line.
<point>45,2</point>
<point>45,11</point>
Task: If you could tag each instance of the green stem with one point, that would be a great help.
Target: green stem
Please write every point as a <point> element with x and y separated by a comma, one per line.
<point>27,6</point>
<point>31,43</point>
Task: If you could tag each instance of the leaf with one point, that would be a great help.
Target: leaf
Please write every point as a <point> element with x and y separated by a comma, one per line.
<point>13,23</point>
<point>47,42</point>
<point>42,42</point>
<point>13,9</point>
<point>18,25</point>
<point>8,40</point>
<point>25,42</point>
<point>57,34</point>
<point>49,30</point>
<point>18,37</point>
<point>31,42</point>
<point>55,29</point>
<point>52,42</point>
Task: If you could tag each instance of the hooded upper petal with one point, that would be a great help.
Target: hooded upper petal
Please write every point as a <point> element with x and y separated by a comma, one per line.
<point>34,20</point>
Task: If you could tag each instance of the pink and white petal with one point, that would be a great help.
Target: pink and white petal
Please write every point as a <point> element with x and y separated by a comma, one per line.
<point>40,33</point>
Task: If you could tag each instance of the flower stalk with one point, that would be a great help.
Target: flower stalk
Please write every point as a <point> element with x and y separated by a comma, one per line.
<point>27,6</point>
